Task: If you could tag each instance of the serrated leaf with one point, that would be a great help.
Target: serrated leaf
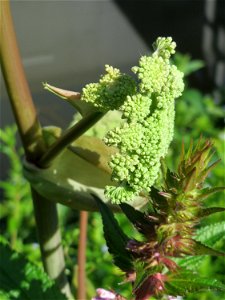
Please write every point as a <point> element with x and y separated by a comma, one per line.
<point>20,279</point>
<point>201,249</point>
<point>174,289</point>
<point>72,98</point>
<point>190,262</point>
<point>115,238</point>
<point>188,282</point>
<point>138,219</point>
<point>211,234</point>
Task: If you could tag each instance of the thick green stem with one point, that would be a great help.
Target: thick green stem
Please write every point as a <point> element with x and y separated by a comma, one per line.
<point>31,136</point>
<point>70,135</point>
<point>50,241</point>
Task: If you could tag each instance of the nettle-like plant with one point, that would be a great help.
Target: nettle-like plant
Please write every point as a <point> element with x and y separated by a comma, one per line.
<point>125,172</point>
<point>168,226</point>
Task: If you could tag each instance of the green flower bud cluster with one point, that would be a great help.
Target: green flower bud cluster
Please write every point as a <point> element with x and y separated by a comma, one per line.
<point>144,139</point>
<point>111,90</point>
<point>164,47</point>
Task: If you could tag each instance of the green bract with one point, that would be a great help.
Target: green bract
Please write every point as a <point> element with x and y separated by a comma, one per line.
<point>148,108</point>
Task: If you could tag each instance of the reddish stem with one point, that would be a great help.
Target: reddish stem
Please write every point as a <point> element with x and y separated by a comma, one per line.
<point>17,87</point>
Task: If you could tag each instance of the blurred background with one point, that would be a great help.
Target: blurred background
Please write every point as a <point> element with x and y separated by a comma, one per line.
<point>67,44</point>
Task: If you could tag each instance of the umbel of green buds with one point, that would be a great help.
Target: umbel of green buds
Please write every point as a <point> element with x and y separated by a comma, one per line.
<point>147,105</point>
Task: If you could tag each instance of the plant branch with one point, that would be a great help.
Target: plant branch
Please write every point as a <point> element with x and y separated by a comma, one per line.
<point>34,146</point>
<point>69,136</point>
<point>81,293</point>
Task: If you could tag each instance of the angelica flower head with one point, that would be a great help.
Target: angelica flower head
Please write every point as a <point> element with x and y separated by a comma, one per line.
<point>111,90</point>
<point>147,106</point>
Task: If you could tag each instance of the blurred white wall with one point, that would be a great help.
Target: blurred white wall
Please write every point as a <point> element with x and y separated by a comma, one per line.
<point>69,42</point>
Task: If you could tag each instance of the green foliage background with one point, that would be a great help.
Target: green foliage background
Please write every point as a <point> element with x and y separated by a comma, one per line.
<point>196,114</point>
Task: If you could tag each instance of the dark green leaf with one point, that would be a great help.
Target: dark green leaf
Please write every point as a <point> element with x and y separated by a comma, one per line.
<point>138,219</point>
<point>115,238</point>
<point>20,279</point>
<point>171,179</point>
<point>159,198</point>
